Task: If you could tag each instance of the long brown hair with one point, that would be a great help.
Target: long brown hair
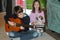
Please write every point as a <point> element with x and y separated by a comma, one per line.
<point>33,9</point>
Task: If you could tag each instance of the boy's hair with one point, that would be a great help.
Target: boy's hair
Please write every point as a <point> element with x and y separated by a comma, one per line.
<point>18,9</point>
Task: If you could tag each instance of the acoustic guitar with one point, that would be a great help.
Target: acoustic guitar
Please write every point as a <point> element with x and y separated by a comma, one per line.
<point>18,22</point>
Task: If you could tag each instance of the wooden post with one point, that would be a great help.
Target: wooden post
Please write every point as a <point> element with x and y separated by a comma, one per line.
<point>9,7</point>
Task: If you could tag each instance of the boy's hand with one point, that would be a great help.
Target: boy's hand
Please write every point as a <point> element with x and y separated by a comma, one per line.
<point>11,23</point>
<point>21,27</point>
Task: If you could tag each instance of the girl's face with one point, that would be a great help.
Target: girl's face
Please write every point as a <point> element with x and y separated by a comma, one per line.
<point>36,5</point>
<point>21,15</point>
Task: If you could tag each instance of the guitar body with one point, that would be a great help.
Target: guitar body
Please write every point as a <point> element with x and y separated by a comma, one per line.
<point>16,28</point>
<point>9,28</point>
<point>25,20</point>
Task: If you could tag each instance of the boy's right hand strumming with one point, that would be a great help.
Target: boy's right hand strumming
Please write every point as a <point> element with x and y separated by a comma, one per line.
<point>22,28</point>
<point>11,23</point>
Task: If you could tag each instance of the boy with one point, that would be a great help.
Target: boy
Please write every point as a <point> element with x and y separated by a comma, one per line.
<point>12,22</point>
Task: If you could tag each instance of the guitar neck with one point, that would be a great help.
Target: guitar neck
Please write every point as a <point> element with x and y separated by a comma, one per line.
<point>24,25</point>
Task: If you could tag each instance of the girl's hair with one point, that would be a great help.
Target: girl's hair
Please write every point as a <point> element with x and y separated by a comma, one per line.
<point>33,9</point>
<point>18,9</point>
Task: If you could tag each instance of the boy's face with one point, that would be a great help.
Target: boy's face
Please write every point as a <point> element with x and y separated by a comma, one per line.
<point>21,15</point>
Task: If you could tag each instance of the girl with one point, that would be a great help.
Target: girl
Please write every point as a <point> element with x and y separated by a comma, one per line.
<point>36,12</point>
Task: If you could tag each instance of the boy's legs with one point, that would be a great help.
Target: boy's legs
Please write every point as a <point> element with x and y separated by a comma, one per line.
<point>19,35</point>
<point>14,35</point>
<point>33,33</point>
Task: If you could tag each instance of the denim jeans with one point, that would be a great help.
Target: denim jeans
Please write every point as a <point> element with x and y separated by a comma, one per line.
<point>23,35</point>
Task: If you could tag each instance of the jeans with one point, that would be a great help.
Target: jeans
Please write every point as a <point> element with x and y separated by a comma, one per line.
<point>23,35</point>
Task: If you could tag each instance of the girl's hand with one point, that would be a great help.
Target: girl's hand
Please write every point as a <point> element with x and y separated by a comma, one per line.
<point>21,27</point>
<point>33,23</point>
<point>11,23</point>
